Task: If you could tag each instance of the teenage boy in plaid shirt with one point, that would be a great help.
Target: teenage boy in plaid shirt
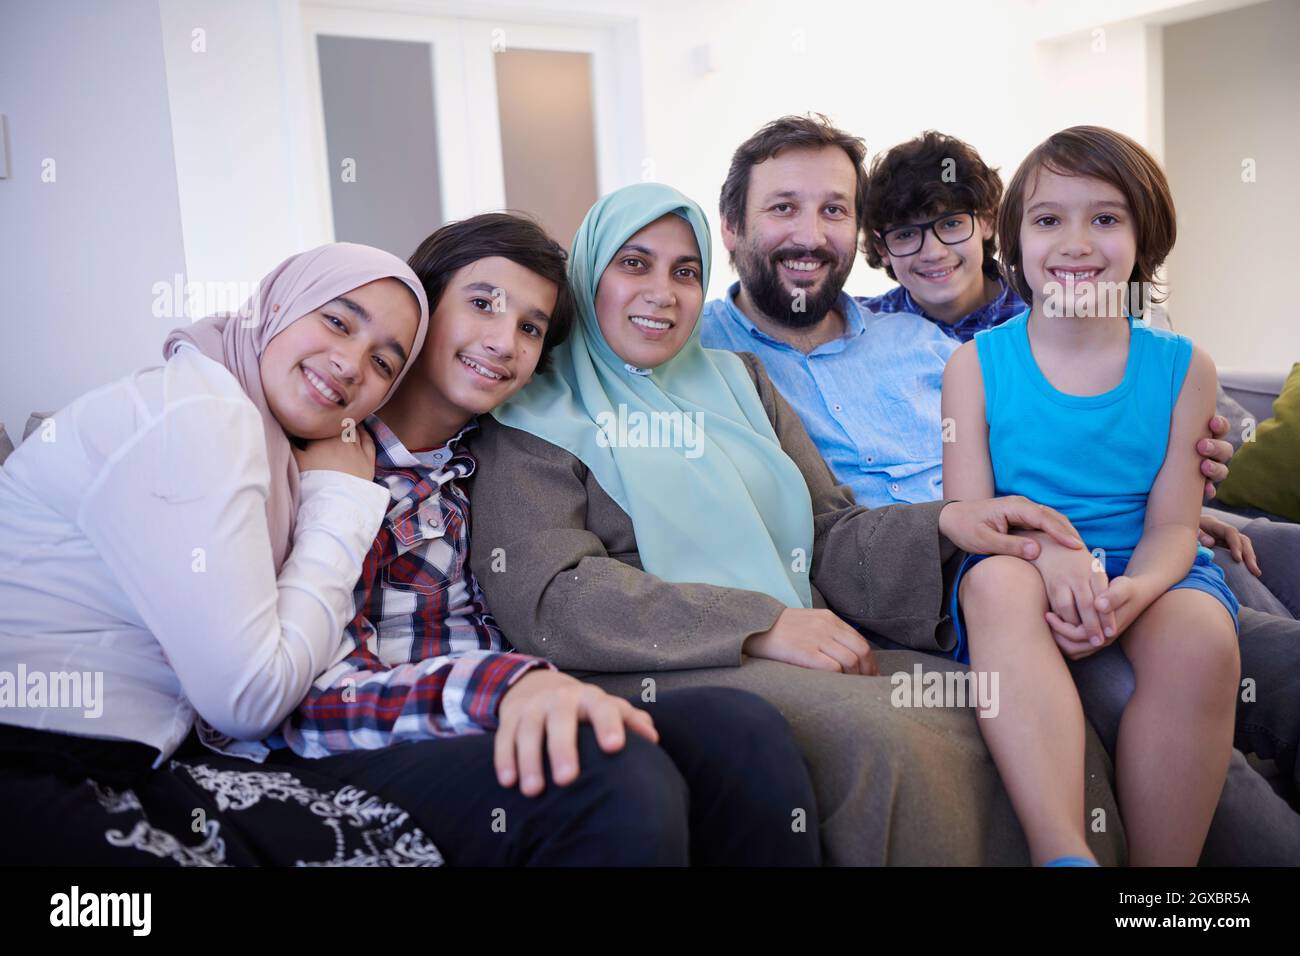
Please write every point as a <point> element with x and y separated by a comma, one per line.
<point>424,659</point>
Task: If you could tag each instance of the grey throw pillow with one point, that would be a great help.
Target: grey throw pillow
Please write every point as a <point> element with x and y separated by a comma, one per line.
<point>1235,413</point>
<point>1224,404</point>
<point>34,422</point>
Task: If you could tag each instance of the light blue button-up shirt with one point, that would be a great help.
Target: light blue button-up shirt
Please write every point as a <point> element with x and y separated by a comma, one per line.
<point>869,400</point>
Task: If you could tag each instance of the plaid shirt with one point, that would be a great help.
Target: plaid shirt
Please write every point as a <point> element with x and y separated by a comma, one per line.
<point>422,657</point>
<point>1005,305</point>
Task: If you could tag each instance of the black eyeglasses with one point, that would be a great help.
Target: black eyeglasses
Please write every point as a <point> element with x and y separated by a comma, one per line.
<point>950,229</point>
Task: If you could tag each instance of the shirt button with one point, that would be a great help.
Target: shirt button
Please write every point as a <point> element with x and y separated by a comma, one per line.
<point>894,487</point>
<point>838,408</point>
<point>870,459</point>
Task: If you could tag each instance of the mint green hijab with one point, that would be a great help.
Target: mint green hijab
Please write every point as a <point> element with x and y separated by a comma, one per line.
<point>728,507</point>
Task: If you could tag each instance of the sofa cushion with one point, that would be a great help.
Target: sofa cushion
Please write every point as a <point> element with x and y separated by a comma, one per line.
<point>1235,413</point>
<point>1264,472</point>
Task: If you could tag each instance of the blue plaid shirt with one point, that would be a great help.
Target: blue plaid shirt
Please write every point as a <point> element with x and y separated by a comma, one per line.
<point>1005,305</point>
<point>869,400</point>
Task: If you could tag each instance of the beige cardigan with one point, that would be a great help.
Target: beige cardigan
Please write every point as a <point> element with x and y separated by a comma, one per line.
<point>558,561</point>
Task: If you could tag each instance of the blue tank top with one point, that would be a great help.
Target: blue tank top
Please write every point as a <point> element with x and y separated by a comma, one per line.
<point>1093,458</point>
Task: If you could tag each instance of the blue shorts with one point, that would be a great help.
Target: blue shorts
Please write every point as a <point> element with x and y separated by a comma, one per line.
<point>1204,576</point>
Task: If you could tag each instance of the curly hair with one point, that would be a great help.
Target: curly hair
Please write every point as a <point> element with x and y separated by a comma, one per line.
<point>927,176</point>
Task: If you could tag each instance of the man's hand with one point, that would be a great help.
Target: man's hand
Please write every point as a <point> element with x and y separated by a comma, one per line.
<point>1215,454</point>
<point>814,638</point>
<point>1073,579</point>
<point>983,527</point>
<point>1215,532</point>
<point>547,705</point>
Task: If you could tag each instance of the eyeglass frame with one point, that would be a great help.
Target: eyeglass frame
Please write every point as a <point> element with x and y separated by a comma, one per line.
<point>929,226</point>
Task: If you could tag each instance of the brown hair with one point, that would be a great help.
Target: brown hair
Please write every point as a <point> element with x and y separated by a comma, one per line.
<point>813,131</point>
<point>508,235</point>
<point>1112,157</point>
<point>910,182</point>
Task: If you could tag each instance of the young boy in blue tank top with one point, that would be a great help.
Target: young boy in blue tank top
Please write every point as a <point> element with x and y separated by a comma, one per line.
<point>1079,406</point>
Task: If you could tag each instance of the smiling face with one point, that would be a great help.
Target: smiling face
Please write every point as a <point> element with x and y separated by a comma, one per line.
<point>1077,243</point>
<point>485,339</point>
<point>651,293</point>
<point>339,361</point>
<point>796,247</point>
<point>945,280</point>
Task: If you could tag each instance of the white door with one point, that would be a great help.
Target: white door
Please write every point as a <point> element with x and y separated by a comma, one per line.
<point>418,120</point>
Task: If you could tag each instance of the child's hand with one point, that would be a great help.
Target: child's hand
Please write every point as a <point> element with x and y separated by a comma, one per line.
<point>1073,579</point>
<point>544,708</point>
<point>1123,598</point>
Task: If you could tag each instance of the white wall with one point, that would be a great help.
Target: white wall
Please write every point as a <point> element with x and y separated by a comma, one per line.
<point>83,84</point>
<point>1002,75</point>
<point>243,168</point>
<point>1230,275</point>
<point>249,182</point>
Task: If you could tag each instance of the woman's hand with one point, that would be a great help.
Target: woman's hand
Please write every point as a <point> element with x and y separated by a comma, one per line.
<point>1073,579</point>
<point>983,527</point>
<point>814,638</point>
<point>547,706</point>
<point>1215,532</point>
<point>352,455</point>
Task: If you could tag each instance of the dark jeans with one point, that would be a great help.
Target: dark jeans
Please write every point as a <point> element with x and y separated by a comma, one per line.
<point>724,786</point>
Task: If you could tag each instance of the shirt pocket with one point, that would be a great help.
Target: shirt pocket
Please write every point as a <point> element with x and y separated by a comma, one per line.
<point>427,569</point>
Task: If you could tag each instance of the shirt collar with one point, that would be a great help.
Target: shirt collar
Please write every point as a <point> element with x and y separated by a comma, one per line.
<point>391,453</point>
<point>986,316</point>
<point>854,323</point>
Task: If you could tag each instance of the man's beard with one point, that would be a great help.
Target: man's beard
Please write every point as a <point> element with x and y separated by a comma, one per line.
<point>758,276</point>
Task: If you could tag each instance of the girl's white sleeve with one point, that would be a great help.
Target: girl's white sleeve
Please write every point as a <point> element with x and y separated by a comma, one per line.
<point>178,514</point>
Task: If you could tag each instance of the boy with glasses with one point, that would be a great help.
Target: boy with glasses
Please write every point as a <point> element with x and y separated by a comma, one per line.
<point>928,222</point>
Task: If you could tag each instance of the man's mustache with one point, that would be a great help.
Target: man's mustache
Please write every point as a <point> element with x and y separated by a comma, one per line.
<point>801,253</point>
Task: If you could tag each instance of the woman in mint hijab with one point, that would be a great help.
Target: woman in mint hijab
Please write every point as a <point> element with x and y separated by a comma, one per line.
<point>646,382</point>
<point>651,507</point>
